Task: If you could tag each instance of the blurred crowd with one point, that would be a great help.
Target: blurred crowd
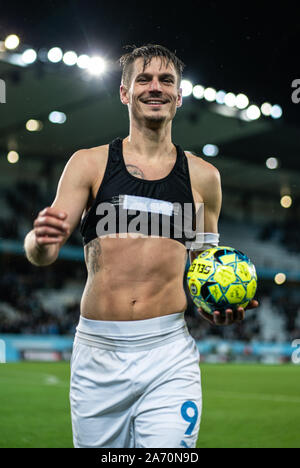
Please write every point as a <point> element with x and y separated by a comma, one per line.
<point>21,204</point>
<point>286,234</point>
<point>24,304</point>
<point>47,301</point>
<point>24,200</point>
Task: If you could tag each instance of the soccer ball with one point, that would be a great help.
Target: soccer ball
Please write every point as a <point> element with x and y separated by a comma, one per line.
<point>222,278</point>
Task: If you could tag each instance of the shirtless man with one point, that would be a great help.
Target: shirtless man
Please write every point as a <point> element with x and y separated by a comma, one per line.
<point>135,378</point>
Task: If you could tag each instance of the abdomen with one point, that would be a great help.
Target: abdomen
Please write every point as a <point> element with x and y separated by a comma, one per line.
<point>133,279</point>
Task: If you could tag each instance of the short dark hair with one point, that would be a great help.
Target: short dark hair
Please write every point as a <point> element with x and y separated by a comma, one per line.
<point>147,52</point>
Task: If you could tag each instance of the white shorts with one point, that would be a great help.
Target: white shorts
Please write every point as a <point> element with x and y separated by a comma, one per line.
<point>135,384</point>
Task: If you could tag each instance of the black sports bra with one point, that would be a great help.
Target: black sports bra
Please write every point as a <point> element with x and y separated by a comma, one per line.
<point>128,204</point>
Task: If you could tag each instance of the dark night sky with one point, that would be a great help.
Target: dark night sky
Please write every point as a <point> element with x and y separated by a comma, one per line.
<point>239,48</point>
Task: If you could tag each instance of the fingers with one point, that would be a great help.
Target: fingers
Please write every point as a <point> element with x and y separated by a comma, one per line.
<point>229,317</point>
<point>252,304</point>
<point>206,316</point>
<point>50,226</point>
<point>51,211</point>
<point>45,240</point>
<point>224,318</point>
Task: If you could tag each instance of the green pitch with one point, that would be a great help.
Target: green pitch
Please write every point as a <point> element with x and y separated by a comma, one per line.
<point>243,405</point>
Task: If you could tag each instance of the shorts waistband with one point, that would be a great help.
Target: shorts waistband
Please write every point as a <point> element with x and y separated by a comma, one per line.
<point>133,335</point>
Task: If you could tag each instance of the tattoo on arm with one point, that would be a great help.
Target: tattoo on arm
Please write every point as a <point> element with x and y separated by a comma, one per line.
<point>93,253</point>
<point>135,171</point>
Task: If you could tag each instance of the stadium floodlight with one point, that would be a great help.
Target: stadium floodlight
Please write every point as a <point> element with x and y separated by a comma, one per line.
<point>280,278</point>
<point>230,100</point>
<point>266,109</point>
<point>276,112</point>
<point>286,201</point>
<point>253,112</point>
<point>272,163</point>
<point>210,94</point>
<point>33,125</point>
<point>57,117</point>
<point>187,88</point>
<point>55,55</point>
<point>11,42</point>
<point>96,66</point>
<point>220,96</point>
<point>210,150</point>
<point>242,101</point>
<point>12,157</point>
<point>83,61</point>
<point>29,56</point>
<point>198,91</point>
<point>70,58</point>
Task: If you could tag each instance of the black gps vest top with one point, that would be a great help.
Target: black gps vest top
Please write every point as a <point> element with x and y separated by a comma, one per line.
<point>127,204</point>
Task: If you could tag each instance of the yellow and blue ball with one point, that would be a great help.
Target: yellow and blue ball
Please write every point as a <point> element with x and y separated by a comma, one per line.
<point>222,278</point>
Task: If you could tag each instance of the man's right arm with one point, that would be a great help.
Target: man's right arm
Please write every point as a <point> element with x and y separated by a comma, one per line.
<point>54,225</point>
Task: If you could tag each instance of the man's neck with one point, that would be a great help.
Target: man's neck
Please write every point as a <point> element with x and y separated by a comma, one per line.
<point>150,143</point>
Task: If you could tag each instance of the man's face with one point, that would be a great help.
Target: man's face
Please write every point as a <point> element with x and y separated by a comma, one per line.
<point>153,95</point>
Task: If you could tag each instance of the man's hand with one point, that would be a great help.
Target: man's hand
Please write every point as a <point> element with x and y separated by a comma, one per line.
<point>50,227</point>
<point>50,231</point>
<point>229,317</point>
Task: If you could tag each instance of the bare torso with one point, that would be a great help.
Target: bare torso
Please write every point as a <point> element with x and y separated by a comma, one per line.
<point>134,279</point>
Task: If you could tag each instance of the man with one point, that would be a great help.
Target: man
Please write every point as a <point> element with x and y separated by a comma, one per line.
<point>135,378</point>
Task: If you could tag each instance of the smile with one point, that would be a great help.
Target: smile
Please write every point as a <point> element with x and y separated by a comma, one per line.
<point>154,102</point>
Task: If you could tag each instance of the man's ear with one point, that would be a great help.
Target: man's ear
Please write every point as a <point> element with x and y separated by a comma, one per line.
<point>179,98</point>
<point>124,95</point>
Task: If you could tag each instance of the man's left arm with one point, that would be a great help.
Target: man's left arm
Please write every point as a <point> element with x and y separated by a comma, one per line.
<point>212,197</point>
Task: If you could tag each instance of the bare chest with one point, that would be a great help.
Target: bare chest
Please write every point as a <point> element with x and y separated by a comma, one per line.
<point>149,171</point>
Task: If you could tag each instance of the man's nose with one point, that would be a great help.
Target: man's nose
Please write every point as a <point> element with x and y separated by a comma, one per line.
<point>155,85</point>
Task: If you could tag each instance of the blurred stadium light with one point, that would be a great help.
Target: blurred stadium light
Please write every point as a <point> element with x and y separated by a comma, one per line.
<point>29,56</point>
<point>55,54</point>
<point>70,58</point>
<point>187,88</point>
<point>11,42</point>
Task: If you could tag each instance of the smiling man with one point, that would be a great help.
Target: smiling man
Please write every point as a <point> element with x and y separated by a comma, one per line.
<point>135,378</point>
